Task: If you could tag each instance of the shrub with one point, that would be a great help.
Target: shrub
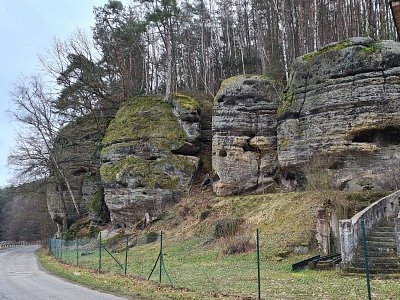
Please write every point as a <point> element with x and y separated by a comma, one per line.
<point>151,237</point>
<point>390,180</point>
<point>204,215</point>
<point>239,244</point>
<point>318,173</point>
<point>227,227</point>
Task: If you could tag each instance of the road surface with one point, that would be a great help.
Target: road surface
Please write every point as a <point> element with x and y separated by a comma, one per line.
<point>21,279</point>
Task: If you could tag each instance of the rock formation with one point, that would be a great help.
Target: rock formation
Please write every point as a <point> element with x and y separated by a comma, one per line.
<point>244,135</point>
<point>77,150</point>
<point>146,160</point>
<point>342,103</point>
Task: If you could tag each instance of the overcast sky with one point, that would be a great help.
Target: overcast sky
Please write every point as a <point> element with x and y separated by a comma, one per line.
<point>27,28</point>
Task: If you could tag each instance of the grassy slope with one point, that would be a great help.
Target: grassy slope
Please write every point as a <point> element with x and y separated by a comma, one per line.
<point>195,259</point>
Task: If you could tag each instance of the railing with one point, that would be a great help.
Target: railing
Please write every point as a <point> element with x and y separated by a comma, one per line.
<point>12,244</point>
<point>351,231</point>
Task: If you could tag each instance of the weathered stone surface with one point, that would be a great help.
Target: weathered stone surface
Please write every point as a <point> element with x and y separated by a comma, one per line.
<point>244,135</point>
<point>77,151</point>
<point>344,101</point>
<point>186,110</point>
<point>139,171</point>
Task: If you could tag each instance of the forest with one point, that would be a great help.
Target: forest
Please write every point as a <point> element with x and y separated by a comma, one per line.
<point>166,46</point>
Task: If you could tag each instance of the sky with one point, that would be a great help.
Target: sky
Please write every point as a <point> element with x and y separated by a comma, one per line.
<point>27,29</point>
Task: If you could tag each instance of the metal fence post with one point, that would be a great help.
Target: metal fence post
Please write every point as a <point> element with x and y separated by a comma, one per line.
<point>99,252</point>
<point>366,258</point>
<point>258,266</point>
<point>77,251</point>
<point>61,249</point>
<point>161,254</point>
<point>126,253</point>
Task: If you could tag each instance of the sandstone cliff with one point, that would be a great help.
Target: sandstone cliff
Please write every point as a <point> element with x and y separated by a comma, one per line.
<point>338,120</point>
<point>343,103</point>
<point>244,135</point>
<point>147,162</point>
<point>77,150</point>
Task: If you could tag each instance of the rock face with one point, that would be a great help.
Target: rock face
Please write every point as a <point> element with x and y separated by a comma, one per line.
<point>343,103</point>
<point>143,167</point>
<point>244,135</point>
<point>78,152</point>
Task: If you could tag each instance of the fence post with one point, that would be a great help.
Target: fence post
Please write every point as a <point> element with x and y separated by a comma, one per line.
<point>126,253</point>
<point>77,251</point>
<point>99,252</point>
<point>161,254</point>
<point>61,249</point>
<point>258,266</point>
<point>366,258</point>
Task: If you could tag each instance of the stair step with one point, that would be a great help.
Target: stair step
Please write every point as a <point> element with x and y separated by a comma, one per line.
<point>384,228</point>
<point>378,259</point>
<point>372,253</point>
<point>387,224</point>
<point>383,239</point>
<point>381,244</point>
<point>382,234</point>
<point>378,249</point>
<point>372,271</point>
<point>376,265</point>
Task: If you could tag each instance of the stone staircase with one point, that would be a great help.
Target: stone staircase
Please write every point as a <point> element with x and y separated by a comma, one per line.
<point>382,251</point>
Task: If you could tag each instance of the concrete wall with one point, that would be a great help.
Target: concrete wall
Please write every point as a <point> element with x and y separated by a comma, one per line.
<point>351,231</point>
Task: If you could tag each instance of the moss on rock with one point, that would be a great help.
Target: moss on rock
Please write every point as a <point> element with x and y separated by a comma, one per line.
<point>330,48</point>
<point>147,117</point>
<point>186,102</point>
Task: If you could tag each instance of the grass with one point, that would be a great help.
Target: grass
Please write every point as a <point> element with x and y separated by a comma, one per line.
<point>128,286</point>
<point>192,266</point>
<point>199,270</point>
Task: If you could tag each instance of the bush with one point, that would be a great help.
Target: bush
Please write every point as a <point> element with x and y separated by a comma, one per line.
<point>151,237</point>
<point>318,173</point>
<point>227,227</point>
<point>204,215</point>
<point>390,180</point>
<point>239,244</point>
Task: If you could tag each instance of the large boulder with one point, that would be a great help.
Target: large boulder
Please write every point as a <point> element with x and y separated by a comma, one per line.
<point>342,103</point>
<point>144,170</point>
<point>244,135</point>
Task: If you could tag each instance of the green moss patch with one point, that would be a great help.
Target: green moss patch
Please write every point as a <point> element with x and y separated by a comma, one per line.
<point>283,144</point>
<point>186,102</point>
<point>336,47</point>
<point>150,173</point>
<point>231,80</point>
<point>145,118</point>
<point>287,102</point>
<point>370,50</point>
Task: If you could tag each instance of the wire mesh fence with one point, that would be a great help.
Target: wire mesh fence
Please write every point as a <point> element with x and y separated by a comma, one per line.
<point>250,267</point>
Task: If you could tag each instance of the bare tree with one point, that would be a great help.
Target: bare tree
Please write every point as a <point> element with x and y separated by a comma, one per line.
<point>34,156</point>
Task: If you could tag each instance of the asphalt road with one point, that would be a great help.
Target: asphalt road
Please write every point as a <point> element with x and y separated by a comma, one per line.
<point>21,279</point>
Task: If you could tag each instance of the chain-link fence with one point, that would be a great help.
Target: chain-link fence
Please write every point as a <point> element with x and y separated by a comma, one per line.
<point>254,267</point>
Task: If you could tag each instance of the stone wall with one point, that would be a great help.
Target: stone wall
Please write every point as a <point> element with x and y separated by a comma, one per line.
<point>351,230</point>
